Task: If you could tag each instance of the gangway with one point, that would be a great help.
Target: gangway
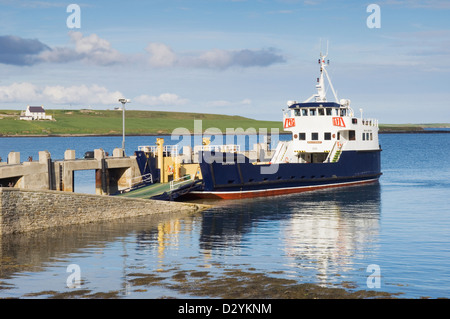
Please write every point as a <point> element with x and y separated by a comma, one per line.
<point>165,191</point>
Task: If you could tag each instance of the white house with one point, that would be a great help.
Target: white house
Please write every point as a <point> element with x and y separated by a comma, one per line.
<point>35,113</point>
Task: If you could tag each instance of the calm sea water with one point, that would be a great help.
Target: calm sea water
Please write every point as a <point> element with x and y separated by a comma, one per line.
<point>399,227</point>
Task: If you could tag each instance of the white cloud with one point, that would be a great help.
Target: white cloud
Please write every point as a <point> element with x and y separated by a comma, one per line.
<point>91,49</point>
<point>165,99</point>
<point>223,103</point>
<point>82,95</point>
<point>162,55</point>
<point>18,92</point>
<point>29,93</point>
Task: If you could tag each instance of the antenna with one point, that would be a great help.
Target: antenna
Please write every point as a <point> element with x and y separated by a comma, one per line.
<point>320,96</point>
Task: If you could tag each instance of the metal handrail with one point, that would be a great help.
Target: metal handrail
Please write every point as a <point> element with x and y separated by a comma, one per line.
<point>179,181</point>
<point>173,149</point>
<point>234,148</point>
<point>142,179</point>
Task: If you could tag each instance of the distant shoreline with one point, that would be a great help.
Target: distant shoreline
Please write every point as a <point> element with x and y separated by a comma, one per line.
<point>154,134</point>
<point>413,131</point>
<point>95,123</point>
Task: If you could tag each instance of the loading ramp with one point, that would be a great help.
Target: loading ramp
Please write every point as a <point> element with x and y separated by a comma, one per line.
<point>164,191</point>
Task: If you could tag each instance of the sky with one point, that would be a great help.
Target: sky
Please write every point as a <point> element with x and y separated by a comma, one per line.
<point>234,57</point>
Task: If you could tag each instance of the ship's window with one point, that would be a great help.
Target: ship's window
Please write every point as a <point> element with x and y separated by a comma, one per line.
<point>314,136</point>
<point>343,112</point>
<point>336,111</point>
<point>338,136</point>
<point>321,111</point>
<point>329,111</point>
<point>354,121</point>
<point>312,112</point>
<point>304,112</point>
<point>363,136</point>
<point>302,136</point>
<point>351,135</point>
<point>327,136</point>
<point>297,112</point>
<point>371,136</point>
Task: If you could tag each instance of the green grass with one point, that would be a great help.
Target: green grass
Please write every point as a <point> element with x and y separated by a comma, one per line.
<point>109,122</point>
<point>411,127</point>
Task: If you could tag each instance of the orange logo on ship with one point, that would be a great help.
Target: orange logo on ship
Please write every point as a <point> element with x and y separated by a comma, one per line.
<point>289,122</point>
<point>338,121</point>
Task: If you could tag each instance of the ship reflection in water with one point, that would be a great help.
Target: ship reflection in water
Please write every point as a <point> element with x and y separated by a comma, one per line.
<point>320,237</point>
<point>315,237</point>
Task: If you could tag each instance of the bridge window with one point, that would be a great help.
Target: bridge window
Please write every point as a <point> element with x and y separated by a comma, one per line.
<point>314,136</point>
<point>312,112</point>
<point>343,112</point>
<point>297,112</point>
<point>304,112</point>
<point>321,111</point>
<point>329,110</point>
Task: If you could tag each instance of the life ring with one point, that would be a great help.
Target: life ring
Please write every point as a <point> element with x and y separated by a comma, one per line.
<point>170,169</point>
<point>286,160</point>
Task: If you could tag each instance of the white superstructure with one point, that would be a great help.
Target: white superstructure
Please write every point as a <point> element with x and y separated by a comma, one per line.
<point>322,130</point>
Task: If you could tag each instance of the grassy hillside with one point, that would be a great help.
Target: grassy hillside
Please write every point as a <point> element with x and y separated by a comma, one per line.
<point>109,122</point>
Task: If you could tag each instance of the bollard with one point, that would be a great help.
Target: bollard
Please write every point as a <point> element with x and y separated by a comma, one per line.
<point>14,158</point>
<point>69,155</point>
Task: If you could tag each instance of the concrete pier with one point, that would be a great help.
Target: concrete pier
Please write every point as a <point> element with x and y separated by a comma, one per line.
<point>113,173</point>
<point>27,210</point>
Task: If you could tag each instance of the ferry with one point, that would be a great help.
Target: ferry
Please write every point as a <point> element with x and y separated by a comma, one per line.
<point>330,147</point>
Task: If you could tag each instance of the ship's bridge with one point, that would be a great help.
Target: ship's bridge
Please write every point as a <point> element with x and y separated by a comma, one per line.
<point>319,108</point>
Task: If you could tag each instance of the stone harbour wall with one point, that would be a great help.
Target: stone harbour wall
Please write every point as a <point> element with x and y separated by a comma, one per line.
<point>25,210</point>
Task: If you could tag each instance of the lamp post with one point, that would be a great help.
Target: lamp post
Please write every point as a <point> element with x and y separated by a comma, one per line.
<point>123,101</point>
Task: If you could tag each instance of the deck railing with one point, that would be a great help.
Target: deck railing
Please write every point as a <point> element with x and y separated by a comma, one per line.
<point>171,149</point>
<point>146,178</point>
<point>178,182</point>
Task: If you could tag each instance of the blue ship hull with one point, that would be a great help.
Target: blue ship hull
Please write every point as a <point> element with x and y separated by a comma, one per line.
<point>239,178</point>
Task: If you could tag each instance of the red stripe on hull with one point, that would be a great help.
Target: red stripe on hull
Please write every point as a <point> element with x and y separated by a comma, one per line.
<point>271,192</point>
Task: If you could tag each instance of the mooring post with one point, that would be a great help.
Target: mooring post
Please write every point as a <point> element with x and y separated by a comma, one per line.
<point>45,159</point>
<point>104,177</point>
<point>101,178</point>
<point>160,151</point>
<point>14,158</point>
